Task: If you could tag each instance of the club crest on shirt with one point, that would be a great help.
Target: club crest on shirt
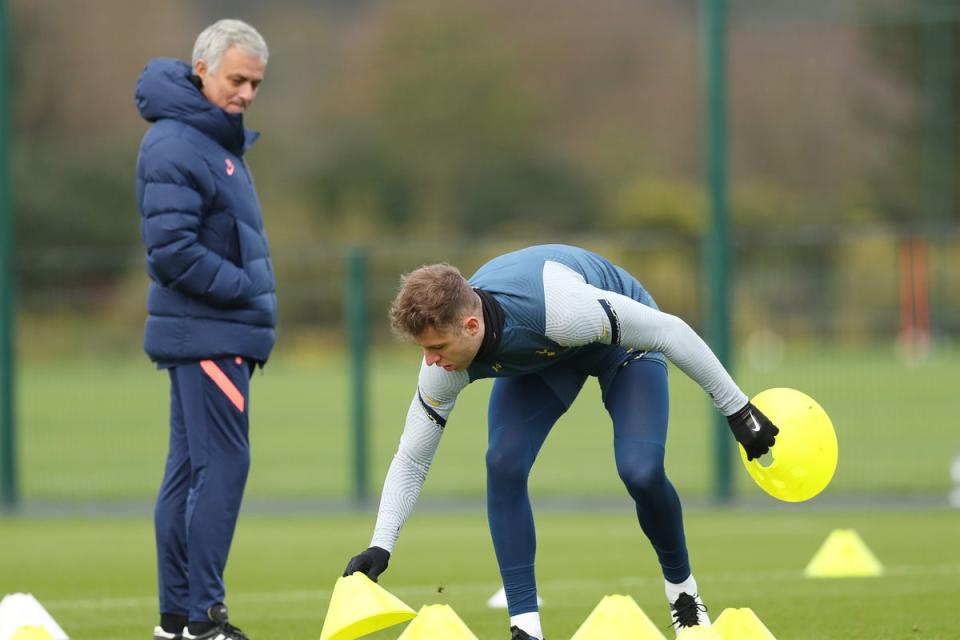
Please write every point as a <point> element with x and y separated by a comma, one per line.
<point>496,367</point>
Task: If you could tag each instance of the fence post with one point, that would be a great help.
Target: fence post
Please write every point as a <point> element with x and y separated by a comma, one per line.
<point>940,128</point>
<point>356,304</point>
<point>714,52</point>
<point>8,458</point>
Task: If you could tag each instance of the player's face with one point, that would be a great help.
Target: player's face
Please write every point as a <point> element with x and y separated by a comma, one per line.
<point>452,349</point>
<point>234,84</point>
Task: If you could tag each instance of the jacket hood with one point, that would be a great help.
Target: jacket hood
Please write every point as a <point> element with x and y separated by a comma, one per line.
<point>166,90</point>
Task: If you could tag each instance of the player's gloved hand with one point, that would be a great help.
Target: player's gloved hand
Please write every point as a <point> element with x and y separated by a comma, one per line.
<point>753,430</point>
<point>371,562</point>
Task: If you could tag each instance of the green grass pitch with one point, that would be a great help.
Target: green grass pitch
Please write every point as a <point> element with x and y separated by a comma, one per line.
<point>94,431</point>
<point>96,576</point>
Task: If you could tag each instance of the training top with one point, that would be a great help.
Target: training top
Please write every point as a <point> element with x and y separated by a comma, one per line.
<point>543,306</point>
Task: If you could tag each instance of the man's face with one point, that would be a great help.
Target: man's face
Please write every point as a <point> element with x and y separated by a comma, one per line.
<point>452,349</point>
<point>234,84</point>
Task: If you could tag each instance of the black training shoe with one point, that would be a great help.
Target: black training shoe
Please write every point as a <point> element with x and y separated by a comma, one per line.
<point>516,633</point>
<point>222,630</point>
<point>160,634</point>
<point>688,611</point>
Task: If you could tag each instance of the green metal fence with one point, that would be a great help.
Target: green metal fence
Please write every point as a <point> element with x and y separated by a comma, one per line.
<point>782,175</point>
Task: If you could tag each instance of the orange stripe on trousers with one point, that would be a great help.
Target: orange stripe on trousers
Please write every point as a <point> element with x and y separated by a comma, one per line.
<point>220,378</point>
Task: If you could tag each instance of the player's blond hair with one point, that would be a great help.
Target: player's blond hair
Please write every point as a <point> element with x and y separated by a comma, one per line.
<point>436,296</point>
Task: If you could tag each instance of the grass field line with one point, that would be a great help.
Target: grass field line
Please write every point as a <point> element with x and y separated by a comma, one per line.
<point>485,589</point>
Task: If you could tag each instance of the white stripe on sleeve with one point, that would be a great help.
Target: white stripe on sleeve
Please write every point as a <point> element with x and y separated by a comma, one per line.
<point>437,389</point>
<point>575,317</point>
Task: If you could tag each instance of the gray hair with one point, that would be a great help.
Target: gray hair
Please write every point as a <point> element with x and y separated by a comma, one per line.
<point>214,41</point>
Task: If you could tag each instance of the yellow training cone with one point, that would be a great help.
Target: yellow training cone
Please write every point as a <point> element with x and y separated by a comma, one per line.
<point>699,633</point>
<point>437,621</point>
<point>741,624</point>
<point>805,452</point>
<point>31,633</point>
<point>843,555</point>
<point>617,617</point>
<point>360,606</point>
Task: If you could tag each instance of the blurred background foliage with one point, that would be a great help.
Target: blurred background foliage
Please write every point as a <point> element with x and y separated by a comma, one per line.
<point>451,130</point>
<point>454,130</point>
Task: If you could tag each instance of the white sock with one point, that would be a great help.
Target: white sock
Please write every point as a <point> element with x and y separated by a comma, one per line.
<point>529,622</point>
<point>674,590</point>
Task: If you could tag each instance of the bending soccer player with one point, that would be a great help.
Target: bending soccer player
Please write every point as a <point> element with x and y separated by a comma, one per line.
<point>540,321</point>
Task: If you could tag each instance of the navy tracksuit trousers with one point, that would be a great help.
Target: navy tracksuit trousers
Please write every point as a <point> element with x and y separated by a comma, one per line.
<point>521,413</point>
<point>203,482</point>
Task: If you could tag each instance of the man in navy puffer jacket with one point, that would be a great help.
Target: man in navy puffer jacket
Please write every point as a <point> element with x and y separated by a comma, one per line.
<point>211,309</point>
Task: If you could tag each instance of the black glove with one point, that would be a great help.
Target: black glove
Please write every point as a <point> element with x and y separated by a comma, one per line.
<point>753,430</point>
<point>371,562</point>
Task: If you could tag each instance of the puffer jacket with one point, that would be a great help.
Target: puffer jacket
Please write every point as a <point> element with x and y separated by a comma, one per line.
<point>212,292</point>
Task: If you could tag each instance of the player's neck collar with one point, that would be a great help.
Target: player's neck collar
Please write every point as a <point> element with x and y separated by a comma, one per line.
<point>493,319</point>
